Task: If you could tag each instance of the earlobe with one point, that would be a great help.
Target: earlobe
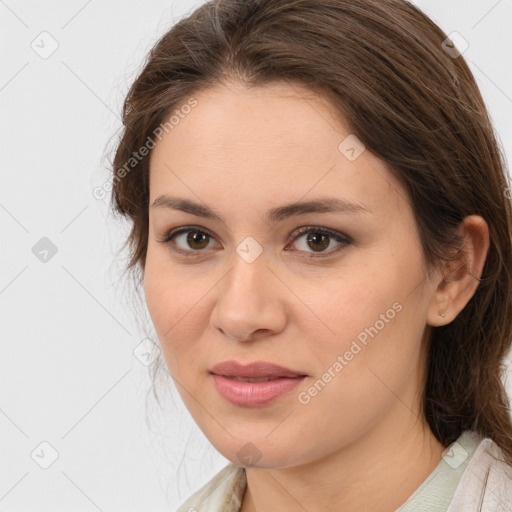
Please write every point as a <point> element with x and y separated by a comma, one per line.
<point>462,275</point>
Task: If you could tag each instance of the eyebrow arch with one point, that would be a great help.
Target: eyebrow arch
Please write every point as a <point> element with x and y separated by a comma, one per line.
<point>280,213</point>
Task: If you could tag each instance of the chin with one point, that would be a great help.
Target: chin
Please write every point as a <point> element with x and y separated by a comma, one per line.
<point>259,452</point>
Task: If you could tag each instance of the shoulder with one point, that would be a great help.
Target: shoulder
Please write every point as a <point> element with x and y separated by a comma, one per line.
<point>486,484</point>
<point>223,493</point>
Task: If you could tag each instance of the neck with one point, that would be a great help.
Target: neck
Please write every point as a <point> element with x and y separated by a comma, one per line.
<point>378,472</point>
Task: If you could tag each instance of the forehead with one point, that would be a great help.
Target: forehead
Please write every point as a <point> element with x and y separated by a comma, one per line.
<point>264,144</point>
<point>278,116</point>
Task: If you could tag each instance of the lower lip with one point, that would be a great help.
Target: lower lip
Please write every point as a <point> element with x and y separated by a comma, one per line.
<point>254,394</point>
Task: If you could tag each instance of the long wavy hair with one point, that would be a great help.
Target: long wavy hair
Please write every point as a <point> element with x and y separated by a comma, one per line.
<point>410,97</point>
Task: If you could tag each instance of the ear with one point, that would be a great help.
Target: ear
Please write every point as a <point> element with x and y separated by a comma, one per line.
<point>460,278</point>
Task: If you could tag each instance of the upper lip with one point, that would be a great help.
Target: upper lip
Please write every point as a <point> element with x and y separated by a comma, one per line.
<point>253,370</point>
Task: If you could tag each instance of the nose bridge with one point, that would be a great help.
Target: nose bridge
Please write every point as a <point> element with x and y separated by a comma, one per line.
<point>248,271</point>
<point>244,304</point>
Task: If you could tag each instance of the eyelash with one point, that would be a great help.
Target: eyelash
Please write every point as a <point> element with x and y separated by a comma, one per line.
<point>344,240</point>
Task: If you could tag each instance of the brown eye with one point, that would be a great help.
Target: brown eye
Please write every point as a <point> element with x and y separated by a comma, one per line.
<point>196,239</point>
<point>188,240</point>
<point>317,240</point>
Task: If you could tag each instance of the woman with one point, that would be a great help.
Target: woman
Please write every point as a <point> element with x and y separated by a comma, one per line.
<point>321,225</point>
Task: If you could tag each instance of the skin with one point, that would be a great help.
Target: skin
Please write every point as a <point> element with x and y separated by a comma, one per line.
<point>361,443</point>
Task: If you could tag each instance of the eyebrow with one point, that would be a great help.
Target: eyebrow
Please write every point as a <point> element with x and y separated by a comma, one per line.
<point>280,213</point>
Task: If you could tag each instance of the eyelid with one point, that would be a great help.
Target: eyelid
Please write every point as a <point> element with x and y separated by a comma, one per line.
<point>318,229</point>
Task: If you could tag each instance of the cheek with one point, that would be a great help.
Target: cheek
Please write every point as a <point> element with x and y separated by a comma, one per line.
<point>342,308</point>
<point>371,319</point>
<point>362,371</point>
<point>161,293</point>
<point>178,310</point>
<point>166,291</point>
<point>167,298</point>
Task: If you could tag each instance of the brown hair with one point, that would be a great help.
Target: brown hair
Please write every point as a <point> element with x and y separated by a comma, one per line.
<point>417,107</point>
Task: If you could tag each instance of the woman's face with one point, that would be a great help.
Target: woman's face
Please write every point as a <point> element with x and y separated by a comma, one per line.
<point>344,309</point>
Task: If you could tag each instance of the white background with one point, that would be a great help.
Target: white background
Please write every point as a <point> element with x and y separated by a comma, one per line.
<point>68,328</point>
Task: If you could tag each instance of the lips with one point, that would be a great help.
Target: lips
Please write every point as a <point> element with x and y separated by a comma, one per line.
<point>257,370</point>
<point>254,385</point>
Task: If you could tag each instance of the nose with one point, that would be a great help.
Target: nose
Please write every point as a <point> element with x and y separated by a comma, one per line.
<point>250,301</point>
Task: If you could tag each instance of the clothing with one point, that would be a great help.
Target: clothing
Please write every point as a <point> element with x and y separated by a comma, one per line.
<point>437,490</point>
<point>466,478</point>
